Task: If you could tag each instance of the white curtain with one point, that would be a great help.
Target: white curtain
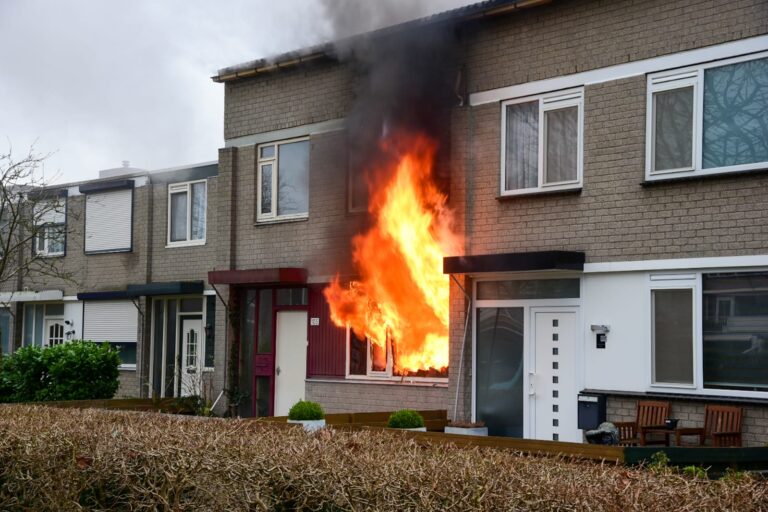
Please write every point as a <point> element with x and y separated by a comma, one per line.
<point>199,199</point>
<point>562,139</point>
<point>522,146</point>
<point>178,217</point>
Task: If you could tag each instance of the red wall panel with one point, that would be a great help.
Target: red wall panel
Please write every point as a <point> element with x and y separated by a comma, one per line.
<point>327,343</point>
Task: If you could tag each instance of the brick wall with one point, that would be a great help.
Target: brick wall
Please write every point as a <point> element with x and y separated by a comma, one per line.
<point>691,414</point>
<point>353,397</point>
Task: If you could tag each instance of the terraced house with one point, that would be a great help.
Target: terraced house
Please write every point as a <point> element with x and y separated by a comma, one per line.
<point>605,166</point>
<point>131,251</point>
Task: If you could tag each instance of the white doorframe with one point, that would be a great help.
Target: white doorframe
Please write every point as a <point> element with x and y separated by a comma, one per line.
<point>527,305</point>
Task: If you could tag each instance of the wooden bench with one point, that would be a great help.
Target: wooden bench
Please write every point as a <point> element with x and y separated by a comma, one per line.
<point>722,426</point>
<point>651,414</point>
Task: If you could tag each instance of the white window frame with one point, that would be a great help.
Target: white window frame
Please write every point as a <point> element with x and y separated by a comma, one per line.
<point>676,282</point>
<point>46,318</point>
<point>680,78</point>
<point>45,230</point>
<point>176,188</point>
<point>547,102</point>
<point>272,216</point>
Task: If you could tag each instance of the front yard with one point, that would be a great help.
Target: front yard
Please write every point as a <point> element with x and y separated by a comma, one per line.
<point>66,459</point>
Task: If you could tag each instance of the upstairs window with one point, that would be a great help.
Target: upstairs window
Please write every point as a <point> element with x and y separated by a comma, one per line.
<point>108,220</point>
<point>542,143</point>
<point>187,205</point>
<point>282,189</point>
<point>709,119</point>
<point>50,228</point>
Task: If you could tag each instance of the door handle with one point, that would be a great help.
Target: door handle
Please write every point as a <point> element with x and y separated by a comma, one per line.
<point>277,370</point>
<point>531,384</point>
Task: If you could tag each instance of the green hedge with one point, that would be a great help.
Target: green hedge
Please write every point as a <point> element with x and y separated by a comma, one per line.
<point>77,370</point>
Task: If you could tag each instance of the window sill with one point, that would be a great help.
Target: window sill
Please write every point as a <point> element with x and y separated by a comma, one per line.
<point>662,180</point>
<point>680,396</point>
<point>127,368</point>
<point>108,251</point>
<point>543,192</point>
<point>174,245</point>
<point>417,382</point>
<point>281,221</point>
<point>54,255</point>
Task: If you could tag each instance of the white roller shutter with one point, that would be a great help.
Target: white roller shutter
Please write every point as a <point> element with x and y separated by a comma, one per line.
<point>116,321</point>
<point>108,221</point>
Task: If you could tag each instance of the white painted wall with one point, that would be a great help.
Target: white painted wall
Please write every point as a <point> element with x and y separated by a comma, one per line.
<point>618,300</point>
<point>73,311</point>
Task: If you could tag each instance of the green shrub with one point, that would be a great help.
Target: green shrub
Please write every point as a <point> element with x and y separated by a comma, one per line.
<point>78,370</point>
<point>695,471</point>
<point>304,410</point>
<point>405,418</point>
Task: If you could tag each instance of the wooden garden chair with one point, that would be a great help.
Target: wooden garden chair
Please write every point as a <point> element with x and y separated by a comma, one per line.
<point>650,414</point>
<point>722,425</point>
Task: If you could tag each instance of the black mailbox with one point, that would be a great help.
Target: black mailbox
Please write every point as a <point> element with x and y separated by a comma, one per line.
<point>591,411</point>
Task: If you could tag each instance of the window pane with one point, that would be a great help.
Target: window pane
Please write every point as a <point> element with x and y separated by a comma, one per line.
<point>262,396</point>
<point>247,329</point>
<point>127,352</point>
<point>378,357</point>
<point>267,152</point>
<point>266,188</point>
<point>5,331</point>
<point>673,129</point>
<point>191,305</point>
<point>522,150</point>
<point>54,309</point>
<point>55,239</point>
<point>500,370</point>
<point>199,201</point>
<point>293,178</point>
<point>210,340</point>
<point>736,114</point>
<point>292,297</point>
<point>29,324</point>
<point>178,217</point>
<point>265,322</point>
<point>562,144</point>
<point>39,325</point>
<point>158,306</point>
<point>735,344</point>
<point>357,354</point>
<point>673,336</point>
<point>528,289</point>
<point>170,350</point>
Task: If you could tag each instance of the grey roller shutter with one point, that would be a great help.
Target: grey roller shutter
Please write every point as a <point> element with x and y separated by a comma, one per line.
<point>108,221</point>
<point>116,321</point>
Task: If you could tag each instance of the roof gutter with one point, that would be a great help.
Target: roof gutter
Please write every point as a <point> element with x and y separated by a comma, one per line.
<point>265,66</point>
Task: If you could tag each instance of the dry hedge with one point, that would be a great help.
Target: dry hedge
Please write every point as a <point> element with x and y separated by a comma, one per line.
<point>57,459</point>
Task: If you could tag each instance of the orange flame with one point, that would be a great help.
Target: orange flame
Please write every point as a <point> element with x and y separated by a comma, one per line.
<point>402,295</point>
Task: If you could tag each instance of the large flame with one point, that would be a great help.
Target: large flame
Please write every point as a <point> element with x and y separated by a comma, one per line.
<point>402,294</point>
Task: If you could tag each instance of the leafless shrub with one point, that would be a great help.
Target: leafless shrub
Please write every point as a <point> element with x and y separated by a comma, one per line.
<point>56,459</point>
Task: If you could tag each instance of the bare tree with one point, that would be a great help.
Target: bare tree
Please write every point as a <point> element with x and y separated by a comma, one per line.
<point>32,222</point>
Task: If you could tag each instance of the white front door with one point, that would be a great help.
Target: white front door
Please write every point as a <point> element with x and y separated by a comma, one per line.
<point>290,359</point>
<point>54,332</point>
<point>191,360</point>
<point>552,379</point>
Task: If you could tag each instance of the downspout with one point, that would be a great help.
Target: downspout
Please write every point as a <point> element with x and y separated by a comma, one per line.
<point>463,345</point>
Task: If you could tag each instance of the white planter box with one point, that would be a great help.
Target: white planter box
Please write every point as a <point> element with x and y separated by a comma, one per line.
<point>415,429</point>
<point>464,431</point>
<point>310,425</point>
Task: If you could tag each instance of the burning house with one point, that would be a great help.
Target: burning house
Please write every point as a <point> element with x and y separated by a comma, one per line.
<point>497,208</point>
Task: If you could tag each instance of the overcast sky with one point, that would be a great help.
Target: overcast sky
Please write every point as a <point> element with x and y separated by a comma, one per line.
<point>95,82</point>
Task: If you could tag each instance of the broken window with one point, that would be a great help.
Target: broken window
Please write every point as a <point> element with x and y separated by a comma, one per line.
<point>367,358</point>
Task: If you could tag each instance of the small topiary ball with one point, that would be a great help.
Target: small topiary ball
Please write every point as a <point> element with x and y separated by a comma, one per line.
<point>304,410</point>
<point>405,418</point>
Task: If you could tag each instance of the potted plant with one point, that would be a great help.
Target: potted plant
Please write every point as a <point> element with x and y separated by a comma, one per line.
<point>309,414</point>
<point>467,428</point>
<point>406,419</point>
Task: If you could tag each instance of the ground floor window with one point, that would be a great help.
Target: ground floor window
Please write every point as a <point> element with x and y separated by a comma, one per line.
<point>735,330</point>
<point>183,344</point>
<point>731,337</point>
<point>115,322</point>
<point>369,358</point>
<point>5,331</point>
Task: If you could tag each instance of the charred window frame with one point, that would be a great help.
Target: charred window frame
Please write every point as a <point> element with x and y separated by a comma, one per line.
<point>365,359</point>
<point>282,180</point>
<point>708,119</point>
